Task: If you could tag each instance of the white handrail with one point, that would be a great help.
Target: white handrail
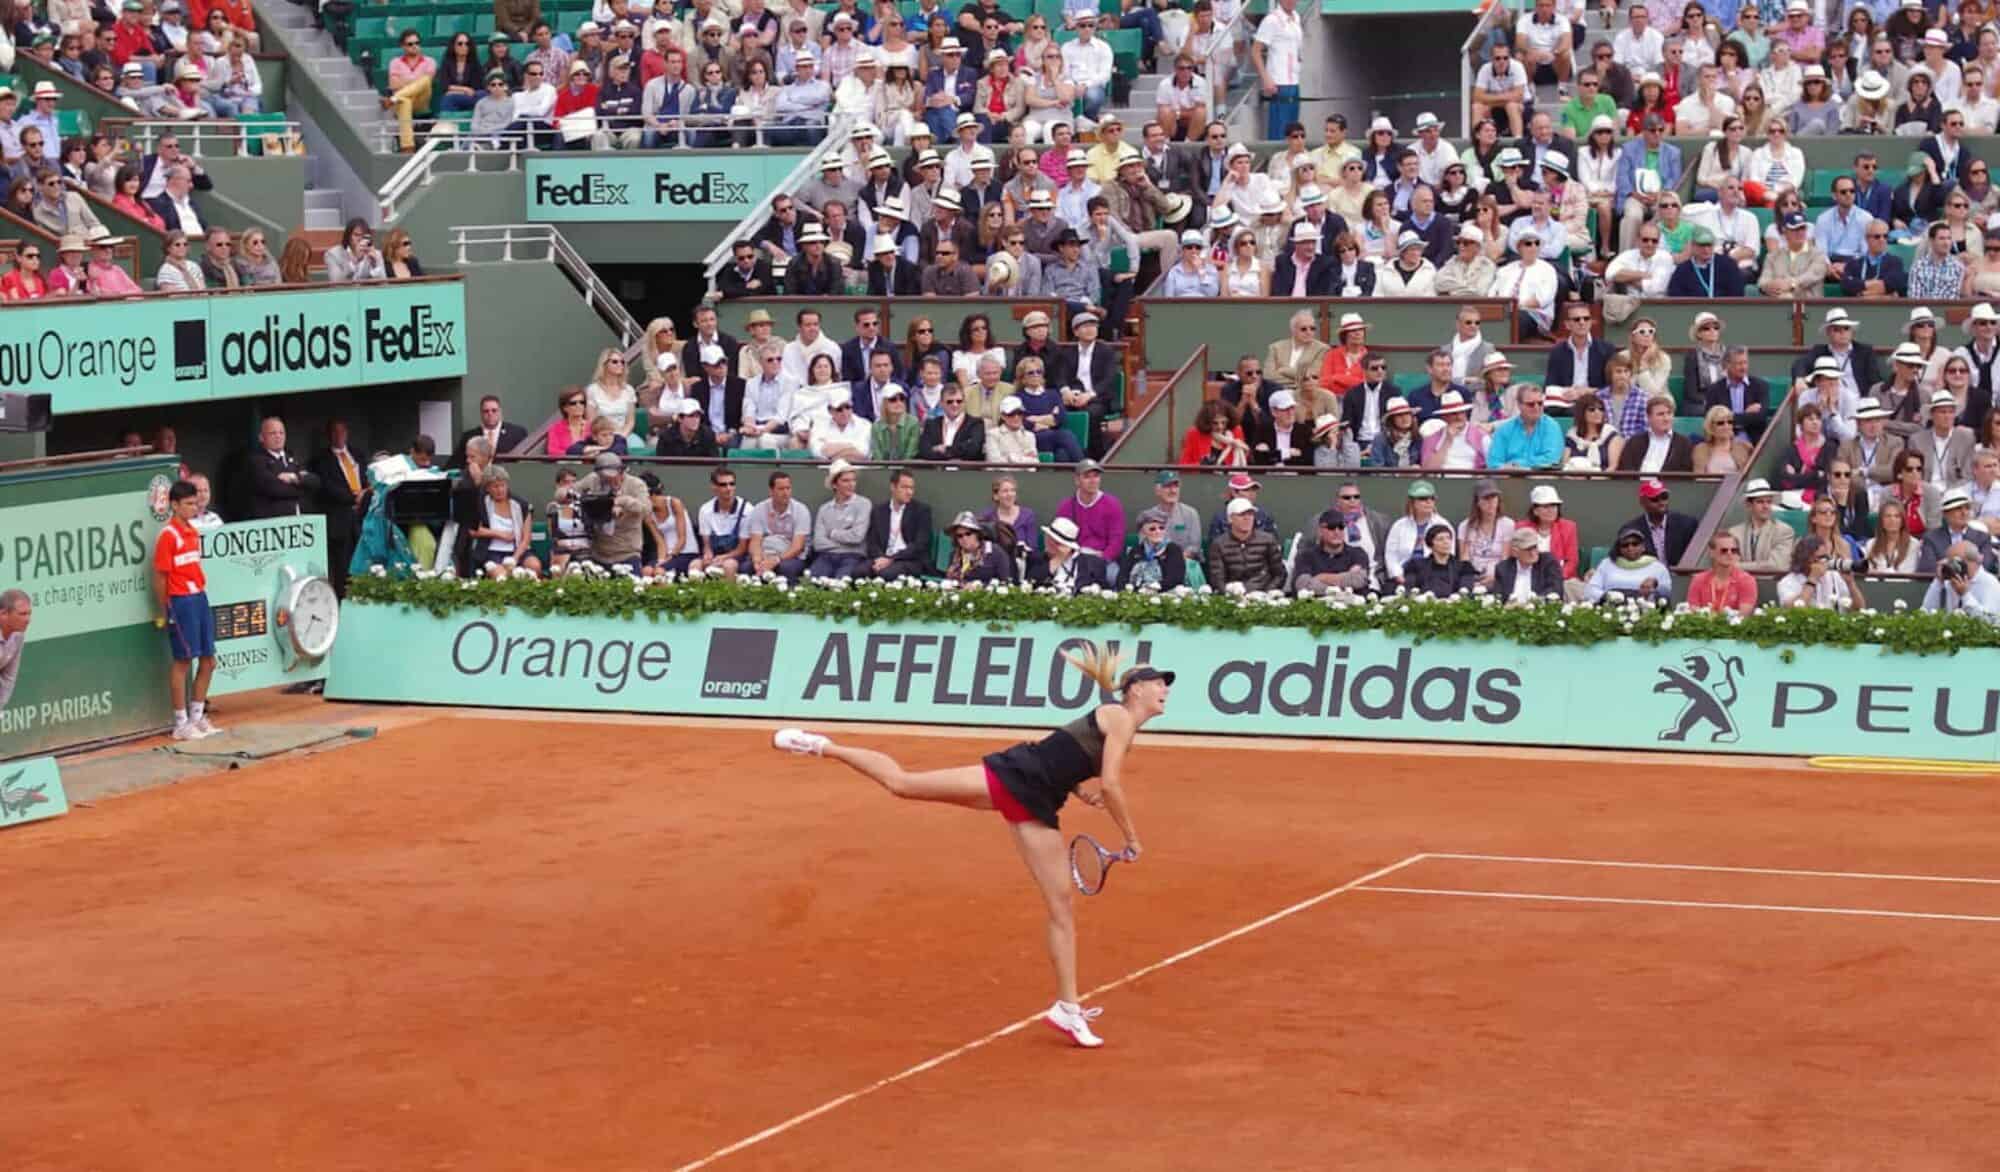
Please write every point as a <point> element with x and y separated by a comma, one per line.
<point>416,172</point>
<point>806,168</point>
<point>458,137</point>
<point>146,132</point>
<point>555,249</point>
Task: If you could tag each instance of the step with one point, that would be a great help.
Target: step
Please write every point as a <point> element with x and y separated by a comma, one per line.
<point>316,198</point>
<point>323,219</point>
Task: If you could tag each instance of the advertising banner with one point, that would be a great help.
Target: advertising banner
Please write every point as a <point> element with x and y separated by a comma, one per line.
<point>79,544</point>
<point>160,350</point>
<point>669,185</point>
<point>1715,698</point>
<point>30,791</point>
<point>246,564</point>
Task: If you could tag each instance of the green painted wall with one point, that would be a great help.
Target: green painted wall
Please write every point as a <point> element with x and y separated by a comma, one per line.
<point>529,334</point>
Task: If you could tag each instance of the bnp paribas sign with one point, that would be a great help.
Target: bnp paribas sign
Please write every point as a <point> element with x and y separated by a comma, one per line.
<point>167,349</point>
<point>669,185</point>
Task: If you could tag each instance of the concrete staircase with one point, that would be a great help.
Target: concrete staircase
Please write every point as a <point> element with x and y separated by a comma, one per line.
<point>315,50</point>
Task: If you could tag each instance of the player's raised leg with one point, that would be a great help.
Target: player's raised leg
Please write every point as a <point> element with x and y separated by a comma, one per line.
<point>963,785</point>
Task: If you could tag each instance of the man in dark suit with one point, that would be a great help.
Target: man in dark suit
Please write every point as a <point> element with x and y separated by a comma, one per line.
<point>889,275</point>
<point>175,205</point>
<point>1705,273</point>
<point>1742,392</point>
<point>1304,257</point>
<point>1857,358</point>
<point>504,436</point>
<point>1248,390</point>
<point>1956,526</point>
<point>1668,533</point>
<point>719,393</point>
<point>1090,377</point>
<point>867,340</point>
<point>951,434</point>
<point>899,532</point>
<point>279,485</point>
<point>1877,273</point>
<point>749,275</point>
<point>1577,359</point>
<point>707,333</point>
<point>152,179</point>
<point>813,273</point>
<point>343,484</point>
<point>1542,573</point>
<point>1676,450</point>
<point>1280,437</point>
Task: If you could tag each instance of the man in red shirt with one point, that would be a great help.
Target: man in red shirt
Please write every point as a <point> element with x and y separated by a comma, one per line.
<point>180,588</point>
<point>1725,585</point>
<point>133,38</point>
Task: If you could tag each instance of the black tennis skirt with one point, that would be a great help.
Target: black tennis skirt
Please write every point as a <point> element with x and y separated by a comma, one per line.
<point>1041,774</point>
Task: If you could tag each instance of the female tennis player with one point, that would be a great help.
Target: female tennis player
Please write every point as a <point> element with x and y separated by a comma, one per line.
<point>1027,784</point>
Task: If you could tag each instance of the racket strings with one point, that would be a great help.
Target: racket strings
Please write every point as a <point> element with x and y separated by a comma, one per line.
<point>1090,866</point>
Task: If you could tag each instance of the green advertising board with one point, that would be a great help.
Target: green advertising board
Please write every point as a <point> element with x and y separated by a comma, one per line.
<point>168,349</point>
<point>30,791</point>
<point>79,542</point>
<point>246,564</point>
<point>1731,697</point>
<point>668,185</point>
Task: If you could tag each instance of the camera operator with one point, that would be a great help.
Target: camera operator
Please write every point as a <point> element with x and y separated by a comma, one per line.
<point>1821,577</point>
<point>1963,585</point>
<point>615,506</point>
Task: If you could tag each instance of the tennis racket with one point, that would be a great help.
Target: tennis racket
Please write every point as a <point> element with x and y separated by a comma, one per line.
<point>1090,864</point>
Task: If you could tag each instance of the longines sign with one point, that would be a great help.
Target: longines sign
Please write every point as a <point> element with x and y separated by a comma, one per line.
<point>1714,698</point>
<point>157,350</point>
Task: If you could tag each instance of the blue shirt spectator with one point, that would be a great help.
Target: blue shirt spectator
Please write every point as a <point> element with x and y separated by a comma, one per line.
<point>1530,439</point>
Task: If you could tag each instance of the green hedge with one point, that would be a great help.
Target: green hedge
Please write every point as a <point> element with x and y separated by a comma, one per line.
<point>1477,617</point>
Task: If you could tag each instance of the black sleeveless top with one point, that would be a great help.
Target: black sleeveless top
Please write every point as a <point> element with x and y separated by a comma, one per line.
<point>1041,774</point>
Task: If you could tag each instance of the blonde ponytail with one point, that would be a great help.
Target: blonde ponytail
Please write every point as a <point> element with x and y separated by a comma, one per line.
<point>1097,663</point>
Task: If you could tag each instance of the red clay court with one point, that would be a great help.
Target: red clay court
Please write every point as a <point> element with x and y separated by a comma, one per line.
<point>480,943</point>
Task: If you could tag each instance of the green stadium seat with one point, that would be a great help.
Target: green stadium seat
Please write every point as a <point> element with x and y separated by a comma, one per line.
<point>449,25</point>
<point>482,26</point>
<point>256,126</point>
<point>1077,423</point>
<point>71,122</point>
<point>1597,554</point>
<point>1046,457</point>
<point>940,550</point>
<point>1689,426</point>
<point>1763,216</point>
<point>1819,186</point>
<point>1796,518</point>
<point>754,454</point>
<point>398,25</point>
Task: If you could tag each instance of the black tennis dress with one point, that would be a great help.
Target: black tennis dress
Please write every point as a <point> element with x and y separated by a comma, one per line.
<point>1041,774</point>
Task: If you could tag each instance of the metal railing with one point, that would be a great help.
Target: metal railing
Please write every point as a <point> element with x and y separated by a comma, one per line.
<point>457,136</point>
<point>221,136</point>
<point>501,243</point>
<point>806,168</point>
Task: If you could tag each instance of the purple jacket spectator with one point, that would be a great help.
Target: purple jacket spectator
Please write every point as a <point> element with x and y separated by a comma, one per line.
<point>1100,525</point>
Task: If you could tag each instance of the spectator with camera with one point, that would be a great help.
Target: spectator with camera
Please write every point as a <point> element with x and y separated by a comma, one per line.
<point>1963,586</point>
<point>615,507</point>
<point>1819,577</point>
<point>1956,528</point>
<point>569,529</point>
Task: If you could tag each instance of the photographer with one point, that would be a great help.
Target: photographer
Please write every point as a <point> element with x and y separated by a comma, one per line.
<point>615,507</point>
<point>1963,585</point>
<point>1818,579</point>
<point>569,532</point>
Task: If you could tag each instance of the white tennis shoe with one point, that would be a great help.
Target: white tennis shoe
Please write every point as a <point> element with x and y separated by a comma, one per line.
<point>186,731</point>
<point>1074,1020</point>
<point>202,728</point>
<point>798,740</point>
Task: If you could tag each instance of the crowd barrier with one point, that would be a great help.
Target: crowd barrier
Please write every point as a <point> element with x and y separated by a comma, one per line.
<point>78,537</point>
<point>1713,697</point>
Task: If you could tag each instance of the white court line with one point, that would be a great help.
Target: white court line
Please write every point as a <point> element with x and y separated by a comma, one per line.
<point>1723,870</point>
<point>1016,1027</point>
<point>1740,907</point>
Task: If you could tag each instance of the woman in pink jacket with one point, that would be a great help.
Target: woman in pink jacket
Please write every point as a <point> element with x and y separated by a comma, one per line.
<point>1459,443</point>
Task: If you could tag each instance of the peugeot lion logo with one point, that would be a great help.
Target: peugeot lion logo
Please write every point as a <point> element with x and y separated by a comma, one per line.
<point>1706,680</point>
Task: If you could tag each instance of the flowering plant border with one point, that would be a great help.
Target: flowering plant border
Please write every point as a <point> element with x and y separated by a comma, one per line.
<point>1479,616</point>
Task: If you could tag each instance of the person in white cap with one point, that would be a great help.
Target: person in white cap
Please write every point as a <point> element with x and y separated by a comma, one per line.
<point>1946,447</point>
<point>1193,275</point>
<point>799,112</point>
<point>842,434</point>
<point>1301,271</point>
<point>812,272</point>
<point>1469,272</point>
<point>1531,284</point>
<point>1408,274</point>
<point>948,89</point>
<point>1433,153</point>
<point>690,436</point>
<point>1087,62</point>
<point>1855,361</point>
<point>1280,438</point>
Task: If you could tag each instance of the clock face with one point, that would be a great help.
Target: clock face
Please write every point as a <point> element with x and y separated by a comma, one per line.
<point>315,617</point>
